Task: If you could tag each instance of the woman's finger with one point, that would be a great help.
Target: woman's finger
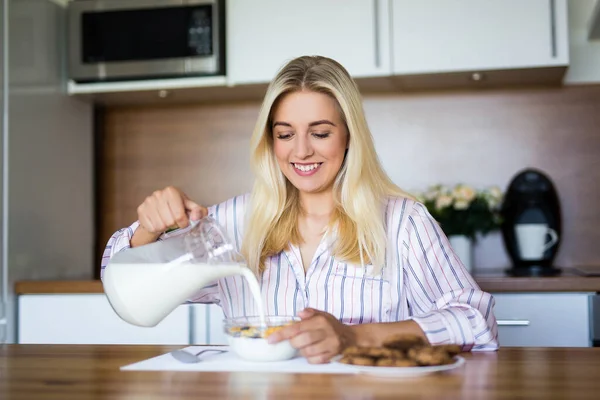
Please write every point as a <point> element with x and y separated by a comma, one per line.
<point>146,222</point>
<point>164,211</point>
<point>320,358</point>
<point>175,203</point>
<point>196,211</point>
<point>308,338</point>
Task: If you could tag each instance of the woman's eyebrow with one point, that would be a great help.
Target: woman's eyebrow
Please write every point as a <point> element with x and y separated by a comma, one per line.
<point>314,123</point>
<point>321,122</point>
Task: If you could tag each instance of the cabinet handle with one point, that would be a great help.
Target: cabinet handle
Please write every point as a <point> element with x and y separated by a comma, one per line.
<point>553,27</point>
<point>513,322</point>
<point>5,165</point>
<point>376,28</point>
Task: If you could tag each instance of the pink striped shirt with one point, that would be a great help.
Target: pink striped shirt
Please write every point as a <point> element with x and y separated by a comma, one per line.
<point>423,280</point>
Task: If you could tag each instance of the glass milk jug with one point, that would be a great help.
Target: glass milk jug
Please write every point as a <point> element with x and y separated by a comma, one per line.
<point>145,284</point>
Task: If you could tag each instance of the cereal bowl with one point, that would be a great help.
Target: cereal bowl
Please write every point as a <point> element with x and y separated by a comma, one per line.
<point>248,340</point>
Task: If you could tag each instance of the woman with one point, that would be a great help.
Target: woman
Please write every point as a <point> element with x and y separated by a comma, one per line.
<point>329,235</point>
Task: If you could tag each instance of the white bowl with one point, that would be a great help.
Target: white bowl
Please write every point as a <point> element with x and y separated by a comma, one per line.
<point>258,348</point>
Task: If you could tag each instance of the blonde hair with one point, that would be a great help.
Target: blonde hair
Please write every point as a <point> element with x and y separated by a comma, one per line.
<point>361,188</point>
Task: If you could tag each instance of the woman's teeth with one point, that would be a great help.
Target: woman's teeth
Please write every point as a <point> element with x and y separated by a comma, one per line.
<point>306,168</point>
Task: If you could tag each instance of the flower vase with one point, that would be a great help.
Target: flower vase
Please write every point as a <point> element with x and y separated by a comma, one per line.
<point>463,247</point>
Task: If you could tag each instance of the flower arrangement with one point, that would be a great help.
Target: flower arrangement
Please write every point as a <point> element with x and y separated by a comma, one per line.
<point>463,210</point>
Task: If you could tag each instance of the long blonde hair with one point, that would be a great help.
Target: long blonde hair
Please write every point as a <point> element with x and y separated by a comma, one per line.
<point>361,188</point>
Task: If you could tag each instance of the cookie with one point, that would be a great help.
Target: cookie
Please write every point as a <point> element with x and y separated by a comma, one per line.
<point>372,352</point>
<point>428,356</point>
<point>404,363</point>
<point>386,362</point>
<point>450,349</point>
<point>358,360</point>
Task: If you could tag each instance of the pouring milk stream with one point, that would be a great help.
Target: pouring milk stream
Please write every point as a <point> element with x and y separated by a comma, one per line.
<point>145,284</point>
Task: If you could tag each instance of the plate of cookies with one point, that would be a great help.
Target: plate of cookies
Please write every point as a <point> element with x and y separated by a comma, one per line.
<point>402,355</point>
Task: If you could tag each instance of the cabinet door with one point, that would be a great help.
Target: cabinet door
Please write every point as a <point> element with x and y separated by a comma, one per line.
<point>543,320</point>
<point>207,325</point>
<point>215,328</point>
<point>451,35</point>
<point>262,35</point>
<point>89,319</point>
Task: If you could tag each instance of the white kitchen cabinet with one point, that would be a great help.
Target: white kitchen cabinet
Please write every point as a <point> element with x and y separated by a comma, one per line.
<point>207,325</point>
<point>89,319</point>
<point>543,319</point>
<point>432,36</point>
<point>262,35</point>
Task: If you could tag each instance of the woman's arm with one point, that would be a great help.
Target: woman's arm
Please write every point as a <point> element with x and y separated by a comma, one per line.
<point>373,335</point>
<point>444,299</point>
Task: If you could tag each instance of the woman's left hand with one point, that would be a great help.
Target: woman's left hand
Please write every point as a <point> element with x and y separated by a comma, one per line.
<point>319,336</point>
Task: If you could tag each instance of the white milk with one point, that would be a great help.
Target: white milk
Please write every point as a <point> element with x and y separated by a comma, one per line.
<point>144,294</point>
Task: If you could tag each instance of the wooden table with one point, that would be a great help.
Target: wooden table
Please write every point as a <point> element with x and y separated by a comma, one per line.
<point>92,372</point>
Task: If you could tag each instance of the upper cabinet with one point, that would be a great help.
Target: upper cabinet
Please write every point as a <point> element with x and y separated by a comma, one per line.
<point>262,35</point>
<point>430,36</point>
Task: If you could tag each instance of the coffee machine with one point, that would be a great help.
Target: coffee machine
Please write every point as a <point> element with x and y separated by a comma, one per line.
<point>531,226</point>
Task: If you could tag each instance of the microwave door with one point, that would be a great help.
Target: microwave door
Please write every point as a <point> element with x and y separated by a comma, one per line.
<point>144,39</point>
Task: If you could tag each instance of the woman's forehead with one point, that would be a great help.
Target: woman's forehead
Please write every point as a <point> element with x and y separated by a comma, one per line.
<point>306,107</point>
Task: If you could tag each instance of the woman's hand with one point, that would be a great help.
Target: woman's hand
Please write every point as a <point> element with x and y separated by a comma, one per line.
<point>319,336</point>
<point>164,209</point>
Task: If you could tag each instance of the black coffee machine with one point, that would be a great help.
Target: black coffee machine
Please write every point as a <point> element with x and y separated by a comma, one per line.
<point>530,202</point>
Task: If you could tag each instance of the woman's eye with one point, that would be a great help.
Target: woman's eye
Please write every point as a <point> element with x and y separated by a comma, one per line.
<point>321,135</point>
<point>284,136</point>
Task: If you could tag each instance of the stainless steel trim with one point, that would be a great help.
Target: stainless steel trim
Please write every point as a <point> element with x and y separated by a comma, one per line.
<point>595,318</point>
<point>207,323</point>
<point>5,109</point>
<point>553,27</point>
<point>176,66</point>
<point>376,28</point>
<point>192,322</point>
<point>513,322</point>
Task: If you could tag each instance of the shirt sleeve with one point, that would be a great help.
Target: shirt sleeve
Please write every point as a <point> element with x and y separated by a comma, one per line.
<point>443,297</point>
<point>120,240</point>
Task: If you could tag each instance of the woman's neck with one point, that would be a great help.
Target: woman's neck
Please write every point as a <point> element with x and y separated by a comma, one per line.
<point>317,204</point>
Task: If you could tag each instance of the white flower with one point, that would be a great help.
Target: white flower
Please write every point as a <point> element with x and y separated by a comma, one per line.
<point>443,201</point>
<point>461,205</point>
<point>494,196</point>
<point>464,193</point>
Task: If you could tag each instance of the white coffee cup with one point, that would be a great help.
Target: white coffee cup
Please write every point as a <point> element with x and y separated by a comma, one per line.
<point>532,240</point>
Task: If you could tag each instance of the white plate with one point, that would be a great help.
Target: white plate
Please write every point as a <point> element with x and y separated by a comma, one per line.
<point>399,372</point>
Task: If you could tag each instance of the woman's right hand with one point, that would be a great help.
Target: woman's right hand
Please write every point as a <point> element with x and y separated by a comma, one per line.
<point>164,209</point>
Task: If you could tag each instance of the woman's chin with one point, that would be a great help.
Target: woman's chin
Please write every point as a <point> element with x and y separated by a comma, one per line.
<point>310,189</point>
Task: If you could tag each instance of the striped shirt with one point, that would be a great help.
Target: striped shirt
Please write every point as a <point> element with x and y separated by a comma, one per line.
<point>422,280</point>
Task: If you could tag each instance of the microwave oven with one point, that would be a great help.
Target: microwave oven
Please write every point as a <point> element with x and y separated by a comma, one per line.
<point>115,40</point>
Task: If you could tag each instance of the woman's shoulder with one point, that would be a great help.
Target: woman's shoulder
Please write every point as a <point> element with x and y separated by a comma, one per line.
<point>399,206</point>
<point>400,209</point>
<point>232,208</point>
<point>238,202</point>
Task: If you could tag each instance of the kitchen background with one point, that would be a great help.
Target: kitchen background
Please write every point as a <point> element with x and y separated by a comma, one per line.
<point>75,167</point>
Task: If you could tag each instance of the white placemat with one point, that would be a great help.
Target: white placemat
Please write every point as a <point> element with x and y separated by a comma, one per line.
<point>229,362</point>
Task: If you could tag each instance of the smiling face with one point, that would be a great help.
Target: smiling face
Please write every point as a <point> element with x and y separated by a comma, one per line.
<point>310,140</point>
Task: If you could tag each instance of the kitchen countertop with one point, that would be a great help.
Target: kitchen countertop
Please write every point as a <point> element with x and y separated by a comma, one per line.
<point>495,281</point>
<point>92,372</point>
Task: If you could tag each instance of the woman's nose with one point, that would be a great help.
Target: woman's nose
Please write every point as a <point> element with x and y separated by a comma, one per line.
<point>303,149</point>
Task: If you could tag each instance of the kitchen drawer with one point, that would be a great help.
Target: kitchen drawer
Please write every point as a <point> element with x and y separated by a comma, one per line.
<point>543,319</point>
<point>89,319</point>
